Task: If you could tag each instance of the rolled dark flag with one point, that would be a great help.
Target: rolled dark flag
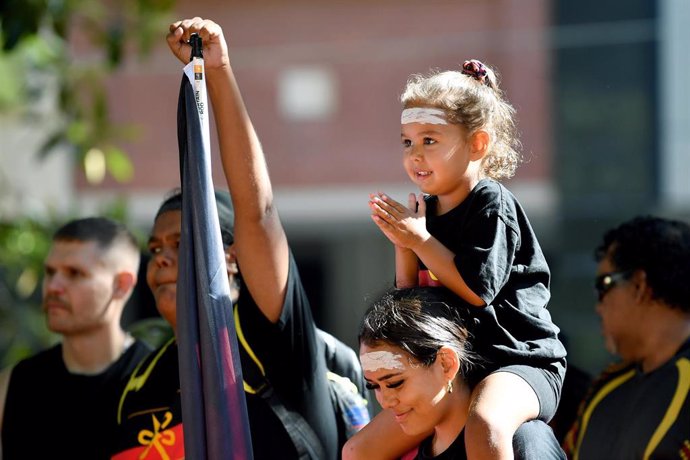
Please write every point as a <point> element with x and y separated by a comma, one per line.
<point>214,410</point>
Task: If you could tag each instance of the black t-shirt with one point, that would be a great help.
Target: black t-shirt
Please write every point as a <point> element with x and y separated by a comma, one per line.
<point>149,416</point>
<point>52,413</point>
<point>533,440</point>
<point>293,359</point>
<point>499,258</point>
<point>455,451</point>
<point>631,414</point>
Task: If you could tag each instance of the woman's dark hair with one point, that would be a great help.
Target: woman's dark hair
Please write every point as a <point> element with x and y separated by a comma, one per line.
<point>420,321</point>
<point>226,215</point>
<point>659,247</point>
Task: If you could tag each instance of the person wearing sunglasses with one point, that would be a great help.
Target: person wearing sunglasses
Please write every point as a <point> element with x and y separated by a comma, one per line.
<point>640,407</point>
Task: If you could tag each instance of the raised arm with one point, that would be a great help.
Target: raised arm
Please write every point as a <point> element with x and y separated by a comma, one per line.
<point>260,243</point>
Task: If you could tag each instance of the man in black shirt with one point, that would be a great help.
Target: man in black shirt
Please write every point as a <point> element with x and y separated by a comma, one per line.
<point>61,403</point>
<point>640,408</point>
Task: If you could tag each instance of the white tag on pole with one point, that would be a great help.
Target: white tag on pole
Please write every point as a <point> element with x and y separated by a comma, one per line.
<point>197,78</point>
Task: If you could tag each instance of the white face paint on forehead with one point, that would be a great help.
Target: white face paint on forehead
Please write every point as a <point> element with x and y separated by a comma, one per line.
<point>375,360</point>
<point>423,115</point>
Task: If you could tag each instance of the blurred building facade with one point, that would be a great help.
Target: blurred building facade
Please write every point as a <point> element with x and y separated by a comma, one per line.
<point>597,88</point>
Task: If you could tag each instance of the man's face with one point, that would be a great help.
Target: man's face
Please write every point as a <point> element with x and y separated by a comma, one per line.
<point>78,288</point>
<point>161,271</point>
<point>623,317</point>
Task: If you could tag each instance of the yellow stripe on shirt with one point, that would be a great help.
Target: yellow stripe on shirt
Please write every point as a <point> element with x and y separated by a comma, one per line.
<point>240,337</point>
<point>608,388</point>
<point>674,408</point>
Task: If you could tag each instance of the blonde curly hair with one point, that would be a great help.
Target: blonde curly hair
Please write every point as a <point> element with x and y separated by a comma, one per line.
<point>472,99</point>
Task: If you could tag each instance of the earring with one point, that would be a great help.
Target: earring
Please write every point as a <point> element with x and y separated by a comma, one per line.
<point>449,387</point>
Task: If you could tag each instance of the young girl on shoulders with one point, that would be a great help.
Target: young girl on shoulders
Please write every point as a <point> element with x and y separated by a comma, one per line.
<point>467,232</point>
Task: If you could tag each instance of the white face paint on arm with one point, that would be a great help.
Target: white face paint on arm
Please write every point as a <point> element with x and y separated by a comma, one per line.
<point>375,360</point>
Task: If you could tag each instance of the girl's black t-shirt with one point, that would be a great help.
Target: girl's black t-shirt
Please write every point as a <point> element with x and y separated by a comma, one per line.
<point>498,256</point>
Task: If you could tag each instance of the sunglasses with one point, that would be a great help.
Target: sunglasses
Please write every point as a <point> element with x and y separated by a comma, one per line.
<point>607,281</point>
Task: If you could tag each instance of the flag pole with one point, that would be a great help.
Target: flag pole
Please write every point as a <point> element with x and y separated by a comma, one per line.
<point>214,408</point>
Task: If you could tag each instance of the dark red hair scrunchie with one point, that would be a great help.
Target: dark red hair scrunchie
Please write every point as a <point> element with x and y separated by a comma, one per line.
<point>476,70</point>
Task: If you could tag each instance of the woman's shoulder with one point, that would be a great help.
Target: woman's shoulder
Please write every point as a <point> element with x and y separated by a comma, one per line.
<point>161,361</point>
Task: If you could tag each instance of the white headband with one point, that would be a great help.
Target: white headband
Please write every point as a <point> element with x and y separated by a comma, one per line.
<point>423,115</point>
<point>376,360</point>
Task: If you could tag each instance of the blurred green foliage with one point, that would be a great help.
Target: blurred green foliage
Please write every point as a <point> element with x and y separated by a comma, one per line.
<point>35,40</point>
<point>23,246</point>
<point>37,43</point>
